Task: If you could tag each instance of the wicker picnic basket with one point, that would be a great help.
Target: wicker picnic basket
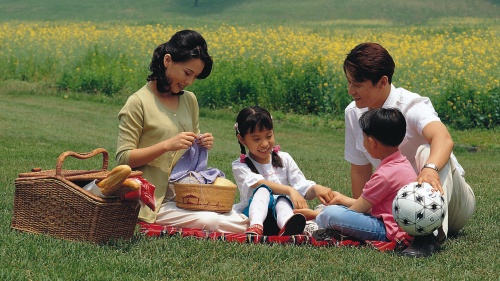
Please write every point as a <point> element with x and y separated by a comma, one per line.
<point>205,197</point>
<point>53,202</point>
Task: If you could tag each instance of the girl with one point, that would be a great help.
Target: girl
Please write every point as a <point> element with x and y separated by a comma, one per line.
<point>270,183</point>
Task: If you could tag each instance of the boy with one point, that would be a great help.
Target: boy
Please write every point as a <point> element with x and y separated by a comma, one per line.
<point>369,217</point>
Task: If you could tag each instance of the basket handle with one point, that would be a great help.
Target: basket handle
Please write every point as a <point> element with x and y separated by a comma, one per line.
<point>86,155</point>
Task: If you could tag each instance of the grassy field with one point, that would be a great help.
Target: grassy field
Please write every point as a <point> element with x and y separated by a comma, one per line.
<point>38,122</point>
<point>255,12</point>
<point>36,129</point>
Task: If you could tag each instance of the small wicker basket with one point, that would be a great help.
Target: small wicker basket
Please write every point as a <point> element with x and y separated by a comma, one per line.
<point>205,197</point>
<point>53,202</point>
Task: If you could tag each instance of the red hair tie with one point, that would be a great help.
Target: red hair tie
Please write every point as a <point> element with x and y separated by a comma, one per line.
<point>276,149</point>
<point>242,158</point>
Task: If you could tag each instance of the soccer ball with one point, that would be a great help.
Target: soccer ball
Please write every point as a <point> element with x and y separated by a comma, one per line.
<point>418,209</point>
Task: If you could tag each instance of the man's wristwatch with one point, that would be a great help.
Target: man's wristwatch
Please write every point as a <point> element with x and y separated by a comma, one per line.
<point>431,166</point>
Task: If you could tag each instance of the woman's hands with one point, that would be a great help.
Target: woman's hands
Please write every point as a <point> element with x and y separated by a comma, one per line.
<point>206,140</point>
<point>185,140</point>
<point>182,140</point>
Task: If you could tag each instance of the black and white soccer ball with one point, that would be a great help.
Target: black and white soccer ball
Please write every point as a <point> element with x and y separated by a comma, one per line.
<point>418,209</point>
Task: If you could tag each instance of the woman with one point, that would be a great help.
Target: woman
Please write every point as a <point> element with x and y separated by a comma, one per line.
<point>160,121</point>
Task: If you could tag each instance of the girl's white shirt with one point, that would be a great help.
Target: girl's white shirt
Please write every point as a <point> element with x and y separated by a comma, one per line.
<point>289,175</point>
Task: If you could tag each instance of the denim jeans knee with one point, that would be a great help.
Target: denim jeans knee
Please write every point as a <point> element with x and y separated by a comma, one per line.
<point>351,223</point>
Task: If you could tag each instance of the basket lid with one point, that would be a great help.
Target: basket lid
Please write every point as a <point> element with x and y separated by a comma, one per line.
<point>73,175</point>
<point>68,174</point>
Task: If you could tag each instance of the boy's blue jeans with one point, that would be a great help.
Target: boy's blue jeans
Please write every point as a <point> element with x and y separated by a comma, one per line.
<point>351,223</point>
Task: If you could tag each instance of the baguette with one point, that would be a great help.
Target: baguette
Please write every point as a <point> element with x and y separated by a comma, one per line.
<point>129,185</point>
<point>114,180</point>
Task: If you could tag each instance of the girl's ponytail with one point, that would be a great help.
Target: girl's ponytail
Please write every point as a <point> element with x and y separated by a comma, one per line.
<point>276,159</point>
<point>245,159</point>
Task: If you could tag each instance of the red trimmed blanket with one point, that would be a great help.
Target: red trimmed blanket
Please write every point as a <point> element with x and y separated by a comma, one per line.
<point>156,230</point>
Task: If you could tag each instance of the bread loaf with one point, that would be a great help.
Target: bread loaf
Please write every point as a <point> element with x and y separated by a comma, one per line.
<point>114,180</point>
<point>224,182</point>
<point>129,185</point>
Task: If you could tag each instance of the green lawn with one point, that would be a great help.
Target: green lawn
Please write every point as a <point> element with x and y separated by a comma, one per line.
<point>256,12</point>
<point>36,129</point>
<point>38,124</point>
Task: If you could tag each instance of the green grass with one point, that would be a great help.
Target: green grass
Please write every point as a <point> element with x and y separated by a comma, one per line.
<point>37,124</point>
<point>257,12</point>
<point>37,128</point>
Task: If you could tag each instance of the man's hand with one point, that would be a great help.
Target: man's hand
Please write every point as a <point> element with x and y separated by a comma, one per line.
<point>432,177</point>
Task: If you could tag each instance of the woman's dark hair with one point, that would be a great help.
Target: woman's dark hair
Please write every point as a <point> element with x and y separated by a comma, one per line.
<point>369,61</point>
<point>387,125</point>
<point>253,119</point>
<point>184,45</point>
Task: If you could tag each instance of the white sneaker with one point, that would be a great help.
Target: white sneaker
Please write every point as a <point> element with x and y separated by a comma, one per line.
<point>311,226</point>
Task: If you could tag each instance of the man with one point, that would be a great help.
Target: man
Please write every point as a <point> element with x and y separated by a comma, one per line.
<point>427,144</point>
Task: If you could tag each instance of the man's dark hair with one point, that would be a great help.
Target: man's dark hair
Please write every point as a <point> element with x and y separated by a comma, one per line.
<point>369,61</point>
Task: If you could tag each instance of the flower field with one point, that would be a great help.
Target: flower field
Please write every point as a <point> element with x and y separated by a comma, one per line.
<point>295,70</point>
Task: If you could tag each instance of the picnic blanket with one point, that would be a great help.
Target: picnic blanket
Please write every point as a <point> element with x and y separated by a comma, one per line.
<point>157,230</point>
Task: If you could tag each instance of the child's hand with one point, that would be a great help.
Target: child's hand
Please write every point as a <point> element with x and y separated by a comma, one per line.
<point>339,199</point>
<point>206,140</point>
<point>324,194</point>
<point>297,200</point>
<point>308,213</point>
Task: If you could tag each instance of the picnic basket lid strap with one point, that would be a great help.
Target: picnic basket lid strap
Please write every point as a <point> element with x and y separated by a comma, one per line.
<point>60,159</point>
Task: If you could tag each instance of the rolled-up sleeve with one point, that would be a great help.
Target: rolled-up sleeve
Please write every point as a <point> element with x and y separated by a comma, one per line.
<point>295,176</point>
<point>353,146</point>
<point>130,129</point>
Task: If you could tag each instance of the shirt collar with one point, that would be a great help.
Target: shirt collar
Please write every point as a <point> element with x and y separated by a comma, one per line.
<point>391,99</point>
<point>391,157</point>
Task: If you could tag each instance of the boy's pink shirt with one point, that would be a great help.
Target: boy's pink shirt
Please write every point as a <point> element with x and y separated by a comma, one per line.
<point>394,172</point>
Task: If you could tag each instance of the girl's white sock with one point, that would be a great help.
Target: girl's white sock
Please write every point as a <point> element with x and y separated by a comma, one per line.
<point>284,211</point>
<point>258,208</point>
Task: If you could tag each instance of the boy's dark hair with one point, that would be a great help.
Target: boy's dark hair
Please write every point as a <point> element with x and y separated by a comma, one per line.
<point>369,61</point>
<point>253,119</point>
<point>182,46</point>
<point>387,125</point>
